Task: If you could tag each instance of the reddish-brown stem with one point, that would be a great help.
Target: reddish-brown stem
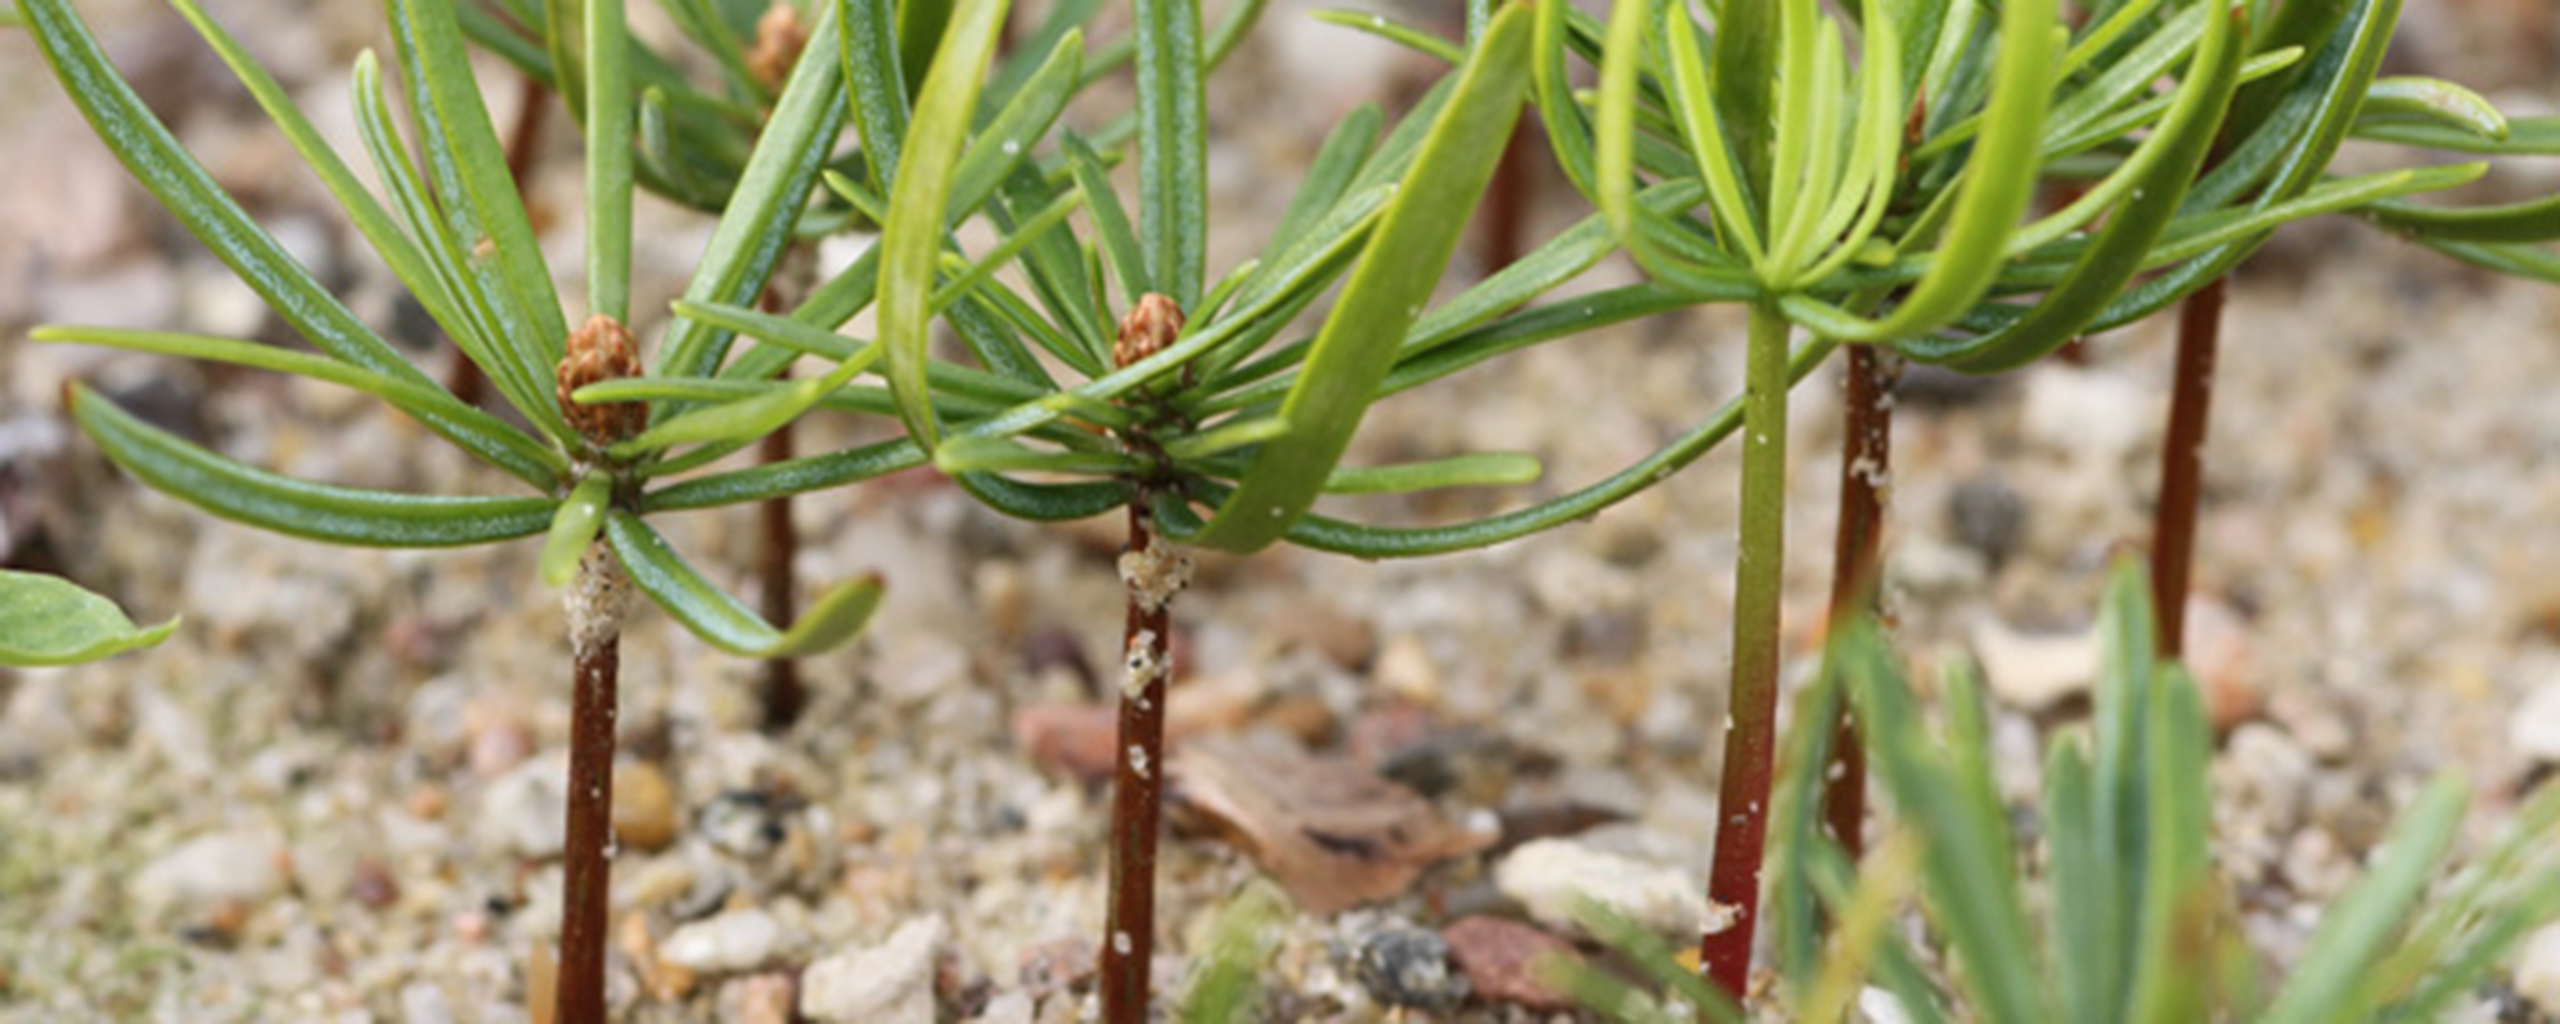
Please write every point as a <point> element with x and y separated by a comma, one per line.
<point>1136,794</point>
<point>1506,200</point>
<point>784,695</point>
<point>1751,718</point>
<point>2173,542</point>
<point>595,645</point>
<point>1866,467</point>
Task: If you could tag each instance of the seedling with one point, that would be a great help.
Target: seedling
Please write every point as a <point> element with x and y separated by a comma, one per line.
<point>1832,192</point>
<point>2135,925</point>
<point>456,233</point>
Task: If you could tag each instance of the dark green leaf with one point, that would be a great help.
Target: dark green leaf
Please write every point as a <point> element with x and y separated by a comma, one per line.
<point>48,620</point>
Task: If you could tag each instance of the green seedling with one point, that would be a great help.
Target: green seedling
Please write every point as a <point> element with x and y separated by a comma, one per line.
<point>2133,924</point>
<point>455,231</point>
<point>1883,201</point>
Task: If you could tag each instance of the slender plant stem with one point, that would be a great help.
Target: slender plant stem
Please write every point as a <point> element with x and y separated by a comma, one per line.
<point>1507,200</point>
<point>1866,468</point>
<point>785,695</point>
<point>1751,717</point>
<point>2173,543</point>
<point>1136,791</point>
<point>595,604</point>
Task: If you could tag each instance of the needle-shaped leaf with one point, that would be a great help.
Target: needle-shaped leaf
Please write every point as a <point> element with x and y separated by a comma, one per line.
<point>759,221</point>
<point>155,159</point>
<point>1173,148</point>
<point>1110,220</point>
<point>2154,182</point>
<point>610,118</point>
<point>48,620</point>
<point>792,476</point>
<point>2431,101</point>
<point>911,241</point>
<point>2526,136</point>
<point>961,455</point>
<point>1396,32</point>
<point>469,168</point>
<point>1482,469</point>
<point>834,619</point>
<point>746,419</point>
<point>574,527</point>
<point>342,515</point>
<point>1999,180</point>
<point>2531,221</point>
<point>2332,981</point>
<point>868,38</point>
<point>478,432</point>
<point>1385,295</point>
<point>1344,150</point>
<point>1020,124</point>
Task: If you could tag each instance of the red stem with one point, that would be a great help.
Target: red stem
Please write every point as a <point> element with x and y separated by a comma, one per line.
<point>588,864</point>
<point>1136,798</point>
<point>1866,466</point>
<point>784,695</point>
<point>2173,544</point>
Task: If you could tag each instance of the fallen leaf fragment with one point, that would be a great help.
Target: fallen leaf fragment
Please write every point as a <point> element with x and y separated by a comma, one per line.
<point>1332,834</point>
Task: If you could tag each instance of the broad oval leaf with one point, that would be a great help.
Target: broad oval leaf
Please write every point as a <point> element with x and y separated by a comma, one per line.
<point>48,620</point>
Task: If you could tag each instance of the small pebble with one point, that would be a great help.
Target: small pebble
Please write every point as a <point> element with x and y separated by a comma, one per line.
<point>744,823</point>
<point>2537,976</point>
<point>2534,731</point>
<point>735,941</point>
<point>2035,671</point>
<point>1986,515</point>
<point>1502,959</point>
<point>525,812</point>
<point>206,872</point>
<point>1404,669</point>
<point>1408,967</point>
<point>644,806</point>
<point>1551,877</point>
<point>891,983</point>
<point>761,999</point>
<point>373,886</point>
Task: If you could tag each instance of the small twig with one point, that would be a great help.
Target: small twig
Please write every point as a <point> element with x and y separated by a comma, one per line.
<point>2173,542</point>
<point>1866,468</point>
<point>785,695</point>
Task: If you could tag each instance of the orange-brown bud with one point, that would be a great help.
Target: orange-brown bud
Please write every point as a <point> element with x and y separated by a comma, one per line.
<point>779,39</point>
<point>601,350</point>
<point>1147,330</point>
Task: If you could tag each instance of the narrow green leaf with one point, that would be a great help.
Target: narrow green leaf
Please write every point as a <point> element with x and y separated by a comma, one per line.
<point>911,241</point>
<point>868,40</point>
<point>1173,148</point>
<point>486,436</point>
<point>791,476</point>
<point>1345,148</point>
<point>2532,221</point>
<point>921,25</point>
<point>1396,32</point>
<point>610,118</point>
<point>1998,183</point>
<point>1745,70</point>
<point>1359,342</point>
<point>2432,101</point>
<point>1484,469</point>
<point>574,527</point>
<point>757,225</point>
<point>2332,981</point>
<point>2526,136</point>
<point>1007,139</point>
<point>564,39</point>
<point>1110,221</point>
<point>469,167</point>
<point>48,620</point>
<point>162,166</point>
<point>340,515</point>
<point>961,455</point>
<point>833,620</point>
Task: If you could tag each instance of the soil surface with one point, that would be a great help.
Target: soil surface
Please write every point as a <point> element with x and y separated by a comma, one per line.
<point>336,793</point>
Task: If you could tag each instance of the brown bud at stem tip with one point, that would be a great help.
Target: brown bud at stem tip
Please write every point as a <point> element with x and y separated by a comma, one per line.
<point>1147,330</point>
<point>779,39</point>
<point>600,351</point>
